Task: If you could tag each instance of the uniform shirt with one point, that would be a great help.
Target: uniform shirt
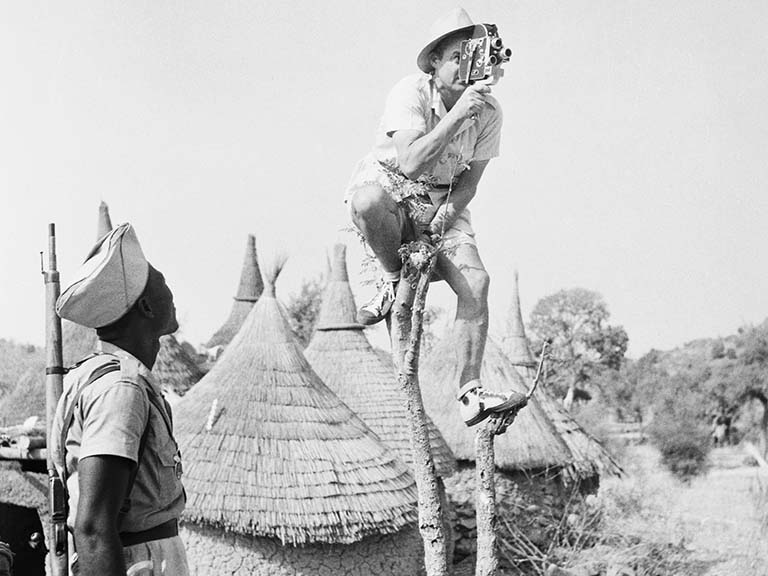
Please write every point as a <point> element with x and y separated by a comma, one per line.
<point>415,104</point>
<point>109,421</point>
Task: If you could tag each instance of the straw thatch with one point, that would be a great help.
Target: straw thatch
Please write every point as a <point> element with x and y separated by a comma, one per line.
<point>248,292</point>
<point>174,370</point>
<point>515,343</point>
<point>345,360</point>
<point>530,444</point>
<point>588,457</point>
<point>270,451</point>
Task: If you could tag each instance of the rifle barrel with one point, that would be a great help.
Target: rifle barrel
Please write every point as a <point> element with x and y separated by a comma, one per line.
<point>54,380</point>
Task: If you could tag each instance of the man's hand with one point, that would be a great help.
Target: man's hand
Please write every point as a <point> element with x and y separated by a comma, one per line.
<point>471,102</point>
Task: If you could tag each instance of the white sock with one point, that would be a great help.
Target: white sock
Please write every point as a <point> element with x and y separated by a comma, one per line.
<point>391,277</point>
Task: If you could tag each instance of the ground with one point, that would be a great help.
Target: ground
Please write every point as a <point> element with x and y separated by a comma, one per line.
<point>717,525</point>
<point>721,515</point>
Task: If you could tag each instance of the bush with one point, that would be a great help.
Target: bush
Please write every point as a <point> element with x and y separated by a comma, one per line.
<point>680,428</point>
<point>684,445</point>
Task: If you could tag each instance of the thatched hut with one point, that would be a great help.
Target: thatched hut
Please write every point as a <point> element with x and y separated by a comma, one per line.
<point>281,476</point>
<point>342,356</point>
<point>589,460</point>
<point>248,292</point>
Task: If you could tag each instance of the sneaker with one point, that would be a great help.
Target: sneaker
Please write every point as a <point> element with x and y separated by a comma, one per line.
<point>476,403</point>
<point>377,308</point>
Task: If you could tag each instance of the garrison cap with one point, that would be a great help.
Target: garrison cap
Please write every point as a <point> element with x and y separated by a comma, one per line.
<point>108,283</point>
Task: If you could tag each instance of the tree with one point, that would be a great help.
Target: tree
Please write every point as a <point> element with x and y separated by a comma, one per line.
<point>630,390</point>
<point>585,347</point>
<point>303,309</point>
<point>752,375</point>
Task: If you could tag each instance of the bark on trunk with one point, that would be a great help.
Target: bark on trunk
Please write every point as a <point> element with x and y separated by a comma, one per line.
<point>764,430</point>
<point>485,505</point>
<point>406,318</point>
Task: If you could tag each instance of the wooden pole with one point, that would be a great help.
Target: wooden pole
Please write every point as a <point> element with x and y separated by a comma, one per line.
<point>54,377</point>
<point>406,330</point>
<point>485,477</point>
<point>485,502</point>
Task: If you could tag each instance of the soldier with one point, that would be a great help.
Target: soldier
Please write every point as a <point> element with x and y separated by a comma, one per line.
<point>112,437</point>
<point>437,134</point>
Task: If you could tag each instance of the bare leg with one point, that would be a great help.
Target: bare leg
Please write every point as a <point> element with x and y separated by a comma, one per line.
<point>466,275</point>
<point>379,219</point>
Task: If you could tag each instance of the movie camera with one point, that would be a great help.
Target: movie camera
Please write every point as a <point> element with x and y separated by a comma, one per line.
<point>482,56</point>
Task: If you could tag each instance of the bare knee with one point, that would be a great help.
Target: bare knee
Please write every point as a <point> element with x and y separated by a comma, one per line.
<point>370,202</point>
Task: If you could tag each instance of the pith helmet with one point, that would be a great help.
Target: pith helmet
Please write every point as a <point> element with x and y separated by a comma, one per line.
<point>457,20</point>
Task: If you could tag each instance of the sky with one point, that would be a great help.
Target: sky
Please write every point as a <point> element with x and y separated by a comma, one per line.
<point>633,157</point>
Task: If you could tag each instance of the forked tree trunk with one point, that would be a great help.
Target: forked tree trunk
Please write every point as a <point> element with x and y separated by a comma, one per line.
<point>406,329</point>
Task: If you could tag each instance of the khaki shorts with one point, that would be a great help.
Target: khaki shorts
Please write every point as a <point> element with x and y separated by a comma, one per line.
<point>415,212</point>
<point>166,557</point>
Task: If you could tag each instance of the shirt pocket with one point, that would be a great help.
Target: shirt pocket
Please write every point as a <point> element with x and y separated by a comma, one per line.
<point>162,461</point>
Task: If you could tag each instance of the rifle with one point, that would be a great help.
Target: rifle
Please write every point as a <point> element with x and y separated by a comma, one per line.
<point>54,377</point>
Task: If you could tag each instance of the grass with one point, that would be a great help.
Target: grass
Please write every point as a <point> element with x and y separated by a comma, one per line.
<point>651,524</point>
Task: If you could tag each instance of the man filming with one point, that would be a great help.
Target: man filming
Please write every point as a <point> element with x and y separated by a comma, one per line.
<point>435,139</point>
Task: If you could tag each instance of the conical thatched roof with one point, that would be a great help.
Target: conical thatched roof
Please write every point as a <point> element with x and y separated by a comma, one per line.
<point>345,360</point>
<point>104,223</point>
<point>588,457</point>
<point>248,292</point>
<point>174,370</point>
<point>531,443</point>
<point>270,451</point>
<point>515,343</point>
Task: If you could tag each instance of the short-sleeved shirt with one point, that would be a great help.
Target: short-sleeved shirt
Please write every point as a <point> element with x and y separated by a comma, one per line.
<point>109,420</point>
<point>414,103</point>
